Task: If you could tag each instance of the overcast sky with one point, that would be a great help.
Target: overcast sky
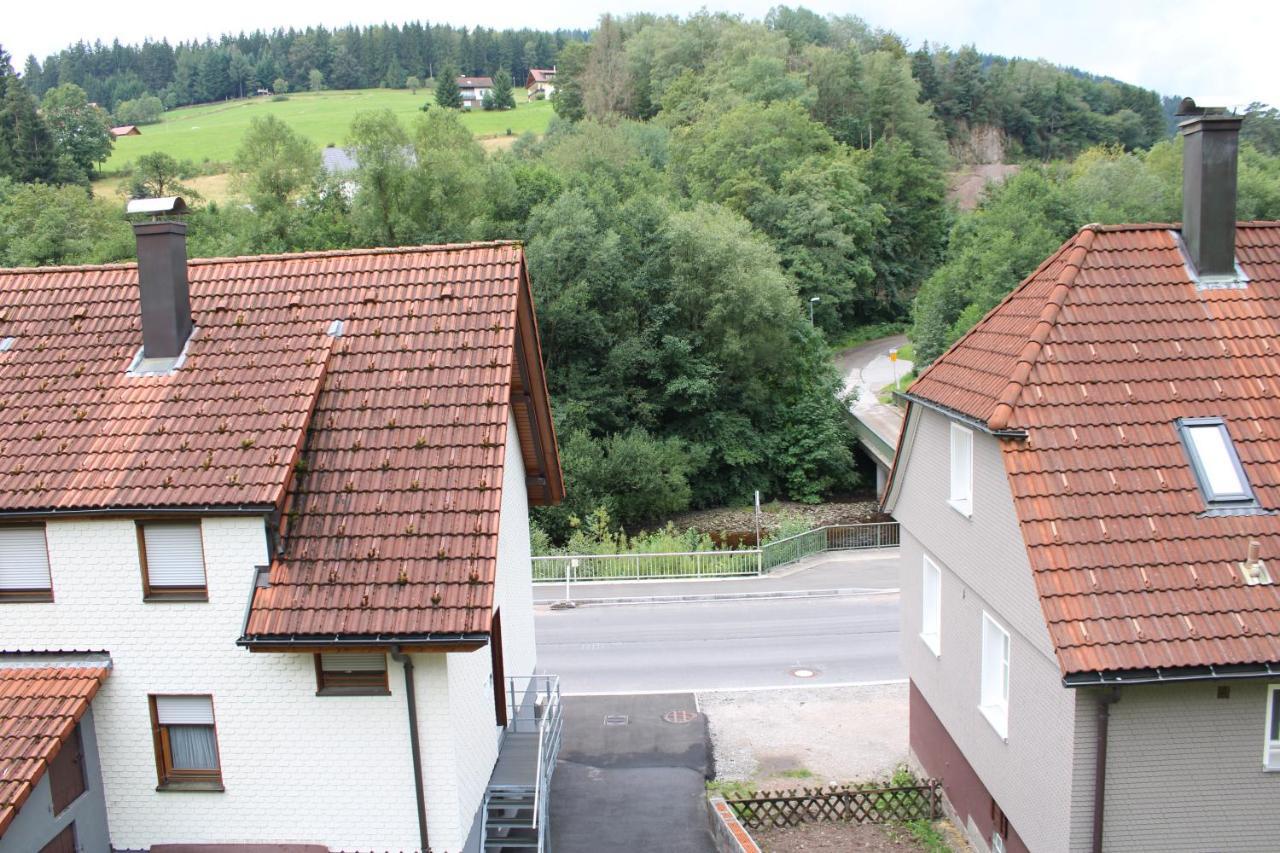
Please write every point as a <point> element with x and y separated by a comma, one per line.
<point>1220,52</point>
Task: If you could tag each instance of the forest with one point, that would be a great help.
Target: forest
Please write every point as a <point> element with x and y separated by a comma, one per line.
<point>235,66</point>
<point>705,178</point>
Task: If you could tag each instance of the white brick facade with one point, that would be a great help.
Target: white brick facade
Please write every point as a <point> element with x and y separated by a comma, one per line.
<point>296,767</point>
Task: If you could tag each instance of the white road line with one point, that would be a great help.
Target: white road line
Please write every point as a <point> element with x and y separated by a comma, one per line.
<point>696,690</point>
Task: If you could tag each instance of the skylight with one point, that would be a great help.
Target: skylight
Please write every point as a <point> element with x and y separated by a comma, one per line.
<point>1214,460</point>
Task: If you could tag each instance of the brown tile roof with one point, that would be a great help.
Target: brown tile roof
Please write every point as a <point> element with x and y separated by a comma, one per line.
<point>541,75</point>
<point>389,514</point>
<point>475,82</point>
<point>1094,356</point>
<point>39,708</point>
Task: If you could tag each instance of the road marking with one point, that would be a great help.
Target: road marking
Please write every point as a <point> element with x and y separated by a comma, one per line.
<point>696,690</point>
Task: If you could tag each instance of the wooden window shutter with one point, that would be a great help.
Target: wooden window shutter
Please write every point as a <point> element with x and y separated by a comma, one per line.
<point>24,559</point>
<point>499,674</point>
<point>66,773</point>
<point>174,555</point>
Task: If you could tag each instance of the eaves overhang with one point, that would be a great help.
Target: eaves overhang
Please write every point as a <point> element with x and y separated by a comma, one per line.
<point>1170,675</point>
<point>966,419</point>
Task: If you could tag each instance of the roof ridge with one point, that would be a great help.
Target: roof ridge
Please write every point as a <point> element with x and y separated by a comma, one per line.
<point>281,256</point>
<point>1007,297</point>
<point>1031,350</point>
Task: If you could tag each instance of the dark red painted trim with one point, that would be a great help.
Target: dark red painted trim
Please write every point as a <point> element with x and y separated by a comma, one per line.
<point>942,759</point>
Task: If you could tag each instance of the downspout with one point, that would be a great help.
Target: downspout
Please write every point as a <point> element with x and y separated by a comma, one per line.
<point>1100,764</point>
<point>411,699</point>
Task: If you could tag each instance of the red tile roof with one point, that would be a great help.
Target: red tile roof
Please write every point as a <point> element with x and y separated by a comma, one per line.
<point>1093,357</point>
<point>381,449</point>
<point>39,708</point>
<point>541,75</point>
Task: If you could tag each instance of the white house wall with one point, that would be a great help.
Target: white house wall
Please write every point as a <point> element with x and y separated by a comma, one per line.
<point>984,568</point>
<point>297,767</point>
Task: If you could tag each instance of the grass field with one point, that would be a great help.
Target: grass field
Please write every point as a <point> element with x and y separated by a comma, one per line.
<point>211,132</point>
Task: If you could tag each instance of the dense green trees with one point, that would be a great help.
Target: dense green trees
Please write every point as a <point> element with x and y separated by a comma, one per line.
<point>346,58</point>
<point>1026,219</point>
<point>79,128</point>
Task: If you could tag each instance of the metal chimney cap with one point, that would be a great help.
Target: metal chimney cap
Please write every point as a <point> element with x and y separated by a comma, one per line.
<point>172,205</point>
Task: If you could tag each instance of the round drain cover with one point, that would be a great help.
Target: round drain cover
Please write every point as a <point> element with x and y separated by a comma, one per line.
<point>803,672</point>
<point>680,717</point>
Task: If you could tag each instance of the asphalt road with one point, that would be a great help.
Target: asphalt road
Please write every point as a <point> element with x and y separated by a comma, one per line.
<point>720,645</point>
<point>629,780</point>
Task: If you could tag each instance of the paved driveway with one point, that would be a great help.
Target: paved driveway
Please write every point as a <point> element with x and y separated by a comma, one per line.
<point>633,786</point>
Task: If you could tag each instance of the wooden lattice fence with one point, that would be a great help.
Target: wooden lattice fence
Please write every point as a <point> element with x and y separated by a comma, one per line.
<point>850,805</point>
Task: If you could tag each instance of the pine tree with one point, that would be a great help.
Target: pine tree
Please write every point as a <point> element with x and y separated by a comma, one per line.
<point>27,150</point>
<point>448,94</point>
<point>503,98</point>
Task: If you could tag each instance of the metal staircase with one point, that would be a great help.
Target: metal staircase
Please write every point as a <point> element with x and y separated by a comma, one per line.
<point>517,802</point>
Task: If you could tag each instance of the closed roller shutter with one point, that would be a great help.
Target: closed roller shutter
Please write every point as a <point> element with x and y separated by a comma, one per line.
<point>175,555</point>
<point>353,662</point>
<point>24,559</point>
<point>184,710</point>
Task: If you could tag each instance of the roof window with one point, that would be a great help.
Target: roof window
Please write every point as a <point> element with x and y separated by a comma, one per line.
<point>1217,467</point>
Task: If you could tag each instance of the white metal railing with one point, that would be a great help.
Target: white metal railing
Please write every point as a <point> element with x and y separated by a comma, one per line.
<point>533,707</point>
<point>570,569</point>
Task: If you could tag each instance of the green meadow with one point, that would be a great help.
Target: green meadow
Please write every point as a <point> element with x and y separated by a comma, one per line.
<point>212,132</point>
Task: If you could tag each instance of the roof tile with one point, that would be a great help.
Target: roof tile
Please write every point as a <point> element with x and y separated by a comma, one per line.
<point>39,708</point>
<point>1130,571</point>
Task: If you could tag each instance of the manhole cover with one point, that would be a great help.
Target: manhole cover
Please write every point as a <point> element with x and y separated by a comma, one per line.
<point>680,717</point>
<point>617,720</point>
<point>803,672</point>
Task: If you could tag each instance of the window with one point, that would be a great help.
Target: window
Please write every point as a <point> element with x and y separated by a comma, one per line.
<point>994,703</point>
<point>186,743</point>
<point>66,773</point>
<point>63,842</point>
<point>24,564</point>
<point>1215,463</point>
<point>962,469</point>
<point>931,607</point>
<point>343,674</point>
<point>1271,754</point>
<point>172,557</point>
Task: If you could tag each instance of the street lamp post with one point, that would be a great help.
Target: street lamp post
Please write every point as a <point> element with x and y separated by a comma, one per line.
<point>813,300</point>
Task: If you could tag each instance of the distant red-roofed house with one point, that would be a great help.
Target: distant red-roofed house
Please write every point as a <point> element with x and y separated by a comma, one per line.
<point>540,81</point>
<point>473,90</point>
<point>289,496</point>
<point>1088,484</point>
<point>125,130</point>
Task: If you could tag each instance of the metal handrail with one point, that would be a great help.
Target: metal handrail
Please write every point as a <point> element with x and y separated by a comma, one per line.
<point>753,561</point>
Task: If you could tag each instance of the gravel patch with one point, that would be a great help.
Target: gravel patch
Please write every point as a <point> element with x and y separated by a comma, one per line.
<point>809,736</point>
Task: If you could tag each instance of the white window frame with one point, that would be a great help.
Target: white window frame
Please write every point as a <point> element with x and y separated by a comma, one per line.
<point>931,605</point>
<point>1271,748</point>
<point>961,495</point>
<point>993,688</point>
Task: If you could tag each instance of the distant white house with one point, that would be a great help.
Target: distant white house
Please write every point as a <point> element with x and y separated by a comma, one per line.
<point>540,81</point>
<point>473,90</point>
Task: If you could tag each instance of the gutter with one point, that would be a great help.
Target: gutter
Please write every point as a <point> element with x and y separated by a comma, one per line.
<point>1234,672</point>
<point>287,642</point>
<point>411,701</point>
<point>969,420</point>
<point>140,511</point>
<point>1100,765</point>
